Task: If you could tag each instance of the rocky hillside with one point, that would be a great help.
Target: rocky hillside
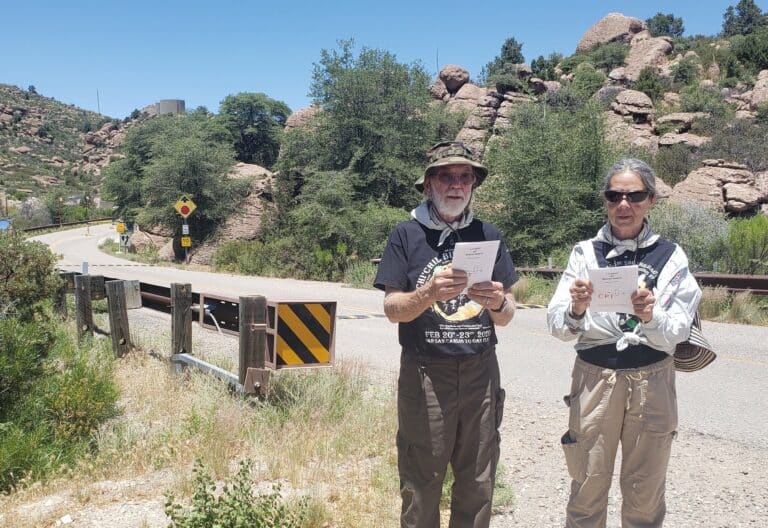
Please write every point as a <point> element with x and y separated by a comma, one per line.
<point>45,143</point>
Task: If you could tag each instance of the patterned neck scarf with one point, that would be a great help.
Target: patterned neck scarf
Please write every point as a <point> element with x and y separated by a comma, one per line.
<point>645,238</point>
<point>427,216</point>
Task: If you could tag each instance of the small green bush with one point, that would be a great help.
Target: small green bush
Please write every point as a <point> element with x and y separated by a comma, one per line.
<point>672,164</point>
<point>685,72</point>
<point>27,275</point>
<point>649,83</point>
<point>605,57</point>
<point>57,402</point>
<point>235,506</point>
<point>697,98</point>
<point>748,245</point>
<point>701,231</point>
<point>742,141</point>
<point>587,79</point>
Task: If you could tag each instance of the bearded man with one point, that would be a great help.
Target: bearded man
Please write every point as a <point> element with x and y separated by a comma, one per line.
<point>450,402</point>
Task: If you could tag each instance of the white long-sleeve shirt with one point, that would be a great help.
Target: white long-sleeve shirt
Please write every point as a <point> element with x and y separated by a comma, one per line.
<point>677,298</point>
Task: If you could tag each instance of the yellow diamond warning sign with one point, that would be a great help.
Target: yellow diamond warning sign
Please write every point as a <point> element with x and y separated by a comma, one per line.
<point>185,206</point>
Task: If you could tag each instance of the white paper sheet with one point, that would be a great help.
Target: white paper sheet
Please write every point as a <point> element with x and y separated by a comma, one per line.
<point>477,259</point>
<point>613,288</point>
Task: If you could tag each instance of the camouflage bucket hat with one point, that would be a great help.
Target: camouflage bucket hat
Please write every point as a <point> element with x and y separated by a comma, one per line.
<point>452,153</point>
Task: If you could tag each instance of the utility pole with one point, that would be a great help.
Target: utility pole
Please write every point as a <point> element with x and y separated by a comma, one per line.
<point>98,103</point>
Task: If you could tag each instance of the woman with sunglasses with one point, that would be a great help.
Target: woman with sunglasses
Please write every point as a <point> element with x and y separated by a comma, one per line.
<point>623,381</point>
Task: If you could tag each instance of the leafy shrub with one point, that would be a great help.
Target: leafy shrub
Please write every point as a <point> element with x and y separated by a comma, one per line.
<point>587,79</point>
<point>533,289</point>
<point>748,245</point>
<point>701,231</point>
<point>752,50</point>
<point>649,83</point>
<point>742,141</point>
<point>685,72</point>
<point>761,113</point>
<point>672,164</point>
<point>27,275</point>
<point>697,98</point>
<point>605,57</point>
<point>235,506</point>
<point>60,399</point>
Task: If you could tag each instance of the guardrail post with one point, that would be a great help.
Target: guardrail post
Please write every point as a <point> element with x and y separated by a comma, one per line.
<point>252,374</point>
<point>118,317</point>
<point>181,318</point>
<point>83,309</point>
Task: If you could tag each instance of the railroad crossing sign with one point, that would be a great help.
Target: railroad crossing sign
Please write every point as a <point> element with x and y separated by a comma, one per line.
<point>186,241</point>
<point>185,206</point>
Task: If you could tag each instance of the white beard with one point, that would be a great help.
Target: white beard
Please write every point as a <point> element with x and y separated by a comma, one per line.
<point>448,208</point>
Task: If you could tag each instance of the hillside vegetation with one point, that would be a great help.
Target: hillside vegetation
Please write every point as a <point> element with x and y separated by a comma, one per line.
<point>695,107</point>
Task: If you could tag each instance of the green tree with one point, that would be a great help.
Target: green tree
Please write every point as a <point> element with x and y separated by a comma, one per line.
<point>256,123</point>
<point>587,79</point>
<point>511,55</point>
<point>546,172</point>
<point>374,123</point>
<point>752,50</point>
<point>168,157</point>
<point>544,68</point>
<point>743,19</point>
<point>668,25</point>
<point>649,83</point>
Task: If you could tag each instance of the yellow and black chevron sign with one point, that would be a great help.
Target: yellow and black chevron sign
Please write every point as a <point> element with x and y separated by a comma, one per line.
<point>304,334</point>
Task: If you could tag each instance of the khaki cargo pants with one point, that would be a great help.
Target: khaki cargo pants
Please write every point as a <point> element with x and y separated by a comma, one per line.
<point>637,407</point>
<point>449,411</point>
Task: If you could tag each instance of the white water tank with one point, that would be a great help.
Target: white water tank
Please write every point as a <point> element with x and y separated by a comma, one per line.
<point>170,106</point>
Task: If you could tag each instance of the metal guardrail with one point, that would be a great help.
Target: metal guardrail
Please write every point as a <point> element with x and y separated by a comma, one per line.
<point>757,284</point>
<point>66,224</point>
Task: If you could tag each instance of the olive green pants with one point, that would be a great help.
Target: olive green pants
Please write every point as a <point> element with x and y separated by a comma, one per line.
<point>637,407</point>
<point>449,411</point>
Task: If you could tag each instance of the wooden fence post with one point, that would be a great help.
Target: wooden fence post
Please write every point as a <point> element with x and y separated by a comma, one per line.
<point>118,317</point>
<point>83,309</point>
<point>181,318</point>
<point>252,374</point>
<point>60,299</point>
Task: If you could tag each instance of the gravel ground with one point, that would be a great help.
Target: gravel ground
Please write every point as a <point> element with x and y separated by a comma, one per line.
<point>712,482</point>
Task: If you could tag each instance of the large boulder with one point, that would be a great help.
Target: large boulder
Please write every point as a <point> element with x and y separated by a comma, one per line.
<point>760,91</point>
<point>300,118</point>
<point>682,121</point>
<point>611,28</point>
<point>686,138</point>
<point>723,185</point>
<point>633,103</point>
<point>246,223</point>
<point>647,52</point>
<point>467,98</point>
<point>453,77</point>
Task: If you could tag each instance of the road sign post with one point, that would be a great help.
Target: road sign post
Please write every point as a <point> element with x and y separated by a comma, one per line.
<point>185,207</point>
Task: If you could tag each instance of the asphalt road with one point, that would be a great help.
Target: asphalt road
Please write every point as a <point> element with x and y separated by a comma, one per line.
<point>727,399</point>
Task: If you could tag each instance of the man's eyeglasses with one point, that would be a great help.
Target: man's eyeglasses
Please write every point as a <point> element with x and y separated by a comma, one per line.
<point>632,196</point>
<point>464,179</point>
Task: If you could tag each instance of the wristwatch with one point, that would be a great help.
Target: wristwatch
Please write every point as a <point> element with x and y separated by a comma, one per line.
<point>500,308</point>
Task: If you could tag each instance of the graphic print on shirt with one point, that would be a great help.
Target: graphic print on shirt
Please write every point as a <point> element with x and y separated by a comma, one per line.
<point>457,318</point>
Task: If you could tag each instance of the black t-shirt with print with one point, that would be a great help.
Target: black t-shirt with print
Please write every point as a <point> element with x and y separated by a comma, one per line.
<point>458,327</point>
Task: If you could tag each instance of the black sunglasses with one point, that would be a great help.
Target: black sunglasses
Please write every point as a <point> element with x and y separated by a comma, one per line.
<point>632,196</point>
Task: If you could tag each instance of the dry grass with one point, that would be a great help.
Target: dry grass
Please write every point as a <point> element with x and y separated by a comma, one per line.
<point>742,308</point>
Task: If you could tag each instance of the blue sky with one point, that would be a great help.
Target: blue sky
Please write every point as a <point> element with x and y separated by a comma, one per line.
<point>135,53</point>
